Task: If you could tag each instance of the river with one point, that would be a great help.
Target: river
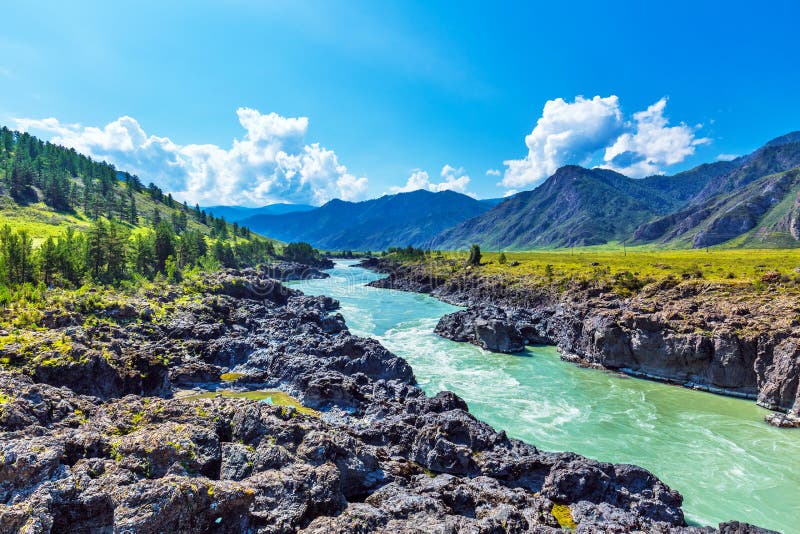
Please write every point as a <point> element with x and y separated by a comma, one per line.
<point>717,451</point>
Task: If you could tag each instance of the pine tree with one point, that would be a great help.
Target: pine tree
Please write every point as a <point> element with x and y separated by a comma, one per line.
<point>474,255</point>
<point>224,254</point>
<point>115,252</point>
<point>70,256</point>
<point>142,255</point>
<point>164,244</point>
<point>16,256</point>
<point>21,177</point>
<point>96,241</point>
<point>6,141</point>
<point>191,248</point>
<point>133,213</point>
<point>74,196</point>
<point>179,221</point>
<point>48,260</point>
<point>56,189</point>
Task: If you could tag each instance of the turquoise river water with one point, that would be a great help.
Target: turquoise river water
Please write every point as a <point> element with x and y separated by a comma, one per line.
<point>717,451</point>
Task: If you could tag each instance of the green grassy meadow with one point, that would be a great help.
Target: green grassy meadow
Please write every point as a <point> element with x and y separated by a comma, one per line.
<point>634,267</point>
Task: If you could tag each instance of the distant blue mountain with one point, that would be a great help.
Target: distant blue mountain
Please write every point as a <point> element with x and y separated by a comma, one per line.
<point>492,202</point>
<point>391,220</point>
<point>239,213</point>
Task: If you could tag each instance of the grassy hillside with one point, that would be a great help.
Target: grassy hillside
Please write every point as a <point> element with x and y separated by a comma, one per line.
<point>42,221</point>
<point>66,220</point>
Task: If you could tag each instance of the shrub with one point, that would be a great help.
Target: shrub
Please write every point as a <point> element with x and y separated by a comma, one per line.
<point>628,281</point>
<point>692,272</point>
<point>5,296</point>
<point>406,253</point>
<point>301,252</point>
<point>474,255</point>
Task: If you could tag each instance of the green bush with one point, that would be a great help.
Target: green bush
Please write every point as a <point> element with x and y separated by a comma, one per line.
<point>474,255</point>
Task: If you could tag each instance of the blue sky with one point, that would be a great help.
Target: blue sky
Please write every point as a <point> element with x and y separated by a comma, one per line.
<point>356,99</point>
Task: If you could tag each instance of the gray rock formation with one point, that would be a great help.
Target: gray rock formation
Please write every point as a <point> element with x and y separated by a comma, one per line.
<point>673,334</point>
<point>376,455</point>
<point>489,328</point>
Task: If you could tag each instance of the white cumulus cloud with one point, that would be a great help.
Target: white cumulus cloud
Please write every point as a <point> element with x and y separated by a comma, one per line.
<point>651,145</point>
<point>271,163</point>
<point>453,179</point>
<point>587,130</point>
<point>567,132</point>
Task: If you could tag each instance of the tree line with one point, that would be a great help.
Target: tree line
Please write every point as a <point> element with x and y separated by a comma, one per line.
<point>108,253</point>
<point>65,180</point>
<point>32,170</point>
<point>123,241</point>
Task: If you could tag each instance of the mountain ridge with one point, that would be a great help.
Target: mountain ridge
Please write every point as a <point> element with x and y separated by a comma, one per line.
<point>239,213</point>
<point>401,219</point>
<point>562,211</point>
<point>578,206</point>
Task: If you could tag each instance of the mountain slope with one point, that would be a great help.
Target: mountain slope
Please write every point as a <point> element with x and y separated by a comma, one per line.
<point>239,213</point>
<point>700,207</point>
<point>733,203</point>
<point>391,220</point>
<point>491,202</point>
<point>762,213</point>
<point>685,187</point>
<point>575,206</point>
<point>778,155</point>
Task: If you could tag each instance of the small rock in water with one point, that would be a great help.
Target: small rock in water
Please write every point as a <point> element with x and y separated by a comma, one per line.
<point>782,420</point>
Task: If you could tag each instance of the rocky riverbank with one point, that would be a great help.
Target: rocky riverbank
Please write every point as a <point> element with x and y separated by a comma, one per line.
<point>92,439</point>
<point>688,333</point>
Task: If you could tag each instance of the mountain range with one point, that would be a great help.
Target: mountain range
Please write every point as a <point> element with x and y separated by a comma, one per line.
<point>751,201</point>
<point>392,220</point>
<point>239,213</point>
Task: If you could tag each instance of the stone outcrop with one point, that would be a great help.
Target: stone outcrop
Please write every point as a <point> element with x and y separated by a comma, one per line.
<point>286,270</point>
<point>689,334</point>
<point>374,454</point>
<point>490,328</point>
